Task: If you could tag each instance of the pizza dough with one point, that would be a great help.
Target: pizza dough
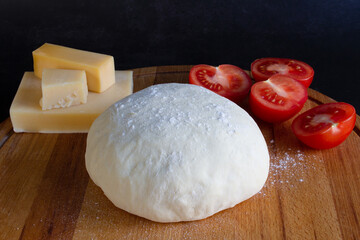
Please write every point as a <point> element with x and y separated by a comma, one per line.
<point>176,152</point>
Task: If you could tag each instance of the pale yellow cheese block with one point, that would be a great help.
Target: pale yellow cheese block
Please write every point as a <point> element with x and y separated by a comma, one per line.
<point>26,114</point>
<point>99,68</point>
<point>63,88</point>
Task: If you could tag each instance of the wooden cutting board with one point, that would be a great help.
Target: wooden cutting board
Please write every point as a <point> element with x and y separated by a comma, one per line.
<point>46,193</point>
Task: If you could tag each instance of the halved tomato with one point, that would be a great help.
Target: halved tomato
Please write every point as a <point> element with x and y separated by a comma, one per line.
<point>226,80</point>
<point>277,99</point>
<point>264,68</point>
<point>326,125</point>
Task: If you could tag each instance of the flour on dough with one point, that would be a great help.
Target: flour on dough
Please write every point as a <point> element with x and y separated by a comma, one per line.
<point>176,152</point>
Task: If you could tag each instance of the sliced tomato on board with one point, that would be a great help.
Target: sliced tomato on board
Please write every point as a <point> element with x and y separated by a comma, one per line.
<point>226,80</point>
<point>277,99</point>
<point>326,125</point>
<point>264,68</point>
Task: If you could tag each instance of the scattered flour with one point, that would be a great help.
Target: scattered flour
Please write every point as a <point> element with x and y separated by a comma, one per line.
<point>288,167</point>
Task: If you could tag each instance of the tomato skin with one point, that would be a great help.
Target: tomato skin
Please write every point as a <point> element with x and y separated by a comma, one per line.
<point>264,68</point>
<point>226,80</point>
<point>261,105</point>
<point>325,135</point>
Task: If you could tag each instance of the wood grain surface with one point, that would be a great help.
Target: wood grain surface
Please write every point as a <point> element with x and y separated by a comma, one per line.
<point>46,193</point>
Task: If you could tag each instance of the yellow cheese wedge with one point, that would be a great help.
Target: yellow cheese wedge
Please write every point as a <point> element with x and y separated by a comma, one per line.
<point>99,68</point>
<point>63,88</point>
<point>26,114</point>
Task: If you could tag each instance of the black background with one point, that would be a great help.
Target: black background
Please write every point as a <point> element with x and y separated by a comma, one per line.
<point>325,34</point>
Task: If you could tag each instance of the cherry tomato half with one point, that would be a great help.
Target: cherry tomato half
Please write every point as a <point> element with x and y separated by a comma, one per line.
<point>277,99</point>
<point>264,68</point>
<point>226,80</point>
<point>326,125</point>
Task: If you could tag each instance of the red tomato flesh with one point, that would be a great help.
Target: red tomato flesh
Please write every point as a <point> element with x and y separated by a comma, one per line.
<point>264,68</point>
<point>277,99</point>
<point>326,125</point>
<point>226,80</point>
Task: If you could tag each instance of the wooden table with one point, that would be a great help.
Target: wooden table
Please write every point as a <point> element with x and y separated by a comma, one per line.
<point>46,193</point>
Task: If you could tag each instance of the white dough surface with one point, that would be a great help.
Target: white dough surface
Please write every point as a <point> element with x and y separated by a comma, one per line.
<point>176,152</point>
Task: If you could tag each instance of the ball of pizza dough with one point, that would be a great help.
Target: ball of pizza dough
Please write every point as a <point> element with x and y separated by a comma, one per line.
<point>176,152</point>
